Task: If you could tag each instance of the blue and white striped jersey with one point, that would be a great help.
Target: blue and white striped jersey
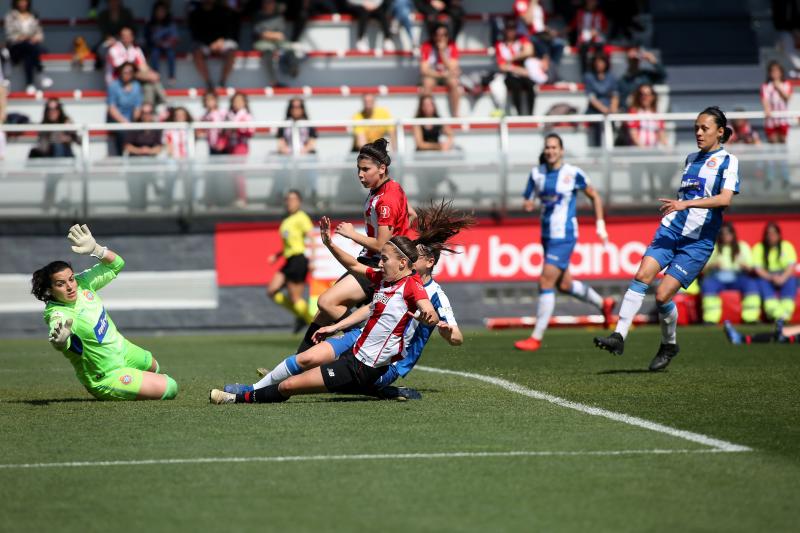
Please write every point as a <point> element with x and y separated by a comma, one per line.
<point>705,175</point>
<point>556,191</point>
<point>417,335</point>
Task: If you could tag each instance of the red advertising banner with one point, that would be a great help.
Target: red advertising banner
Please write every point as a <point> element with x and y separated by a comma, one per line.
<point>491,252</point>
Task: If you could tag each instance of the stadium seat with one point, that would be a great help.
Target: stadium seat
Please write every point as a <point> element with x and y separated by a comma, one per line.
<point>731,306</point>
<point>688,308</point>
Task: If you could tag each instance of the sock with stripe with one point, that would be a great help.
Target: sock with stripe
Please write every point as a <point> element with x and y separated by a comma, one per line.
<point>668,317</point>
<point>269,394</point>
<point>544,310</point>
<point>285,369</point>
<point>631,303</point>
<point>585,293</point>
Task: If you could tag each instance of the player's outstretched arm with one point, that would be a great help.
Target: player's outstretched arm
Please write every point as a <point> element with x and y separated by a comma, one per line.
<point>84,243</point>
<point>356,317</point>
<point>345,259</point>
<point>426,314</point>
<point>59,337</point>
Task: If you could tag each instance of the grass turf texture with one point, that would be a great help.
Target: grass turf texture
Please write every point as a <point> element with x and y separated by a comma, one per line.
<point>747,395</point>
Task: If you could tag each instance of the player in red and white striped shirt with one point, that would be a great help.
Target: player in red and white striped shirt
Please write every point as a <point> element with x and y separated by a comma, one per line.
<point>646,131</point>
<point>386,214</point>
<point>775,95</point>
<point>398,295</point>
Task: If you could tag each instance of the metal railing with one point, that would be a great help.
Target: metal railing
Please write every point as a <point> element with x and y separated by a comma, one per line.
<point>485,174</point>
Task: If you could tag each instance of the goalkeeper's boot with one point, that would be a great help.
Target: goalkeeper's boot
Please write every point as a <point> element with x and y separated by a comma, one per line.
<point>219,397</point>
<point>608,309</point>
<point>733,336</point>
<point>262,372</point>
<point>614,343</point>
<point>665,354</point>
<point>400,394</point>
<point>237,388</point>
<point>528,345</point>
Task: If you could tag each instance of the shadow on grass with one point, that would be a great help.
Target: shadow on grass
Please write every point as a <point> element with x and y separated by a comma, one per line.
<point>39,403</point>
<point>626,371</point>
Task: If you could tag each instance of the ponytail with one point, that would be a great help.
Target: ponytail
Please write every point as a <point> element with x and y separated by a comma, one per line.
<point>436,225</point>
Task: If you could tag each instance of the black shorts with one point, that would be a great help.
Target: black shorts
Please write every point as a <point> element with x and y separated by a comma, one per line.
<point>296,268</point>
<point>350,376</point>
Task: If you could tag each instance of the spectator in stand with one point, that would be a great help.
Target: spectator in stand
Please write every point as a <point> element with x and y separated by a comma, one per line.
<point>124,103</point>
<point>601,87</point>
<point>590,26</point>
<point>299,11</point>
<point>3,111</point>
<point>162,38</point>
<point>146,142</point>
<point>213,113</point>
<point>774,261</point>
<point>367,134</point>
<point>432,138</point>
<point>546,41</point>
<point>428,137</point>
<point>110,22</point>
<point>786,18</point>
<point>270,33</point>
<point>439,66</point>
<point>237,141</point>
<point>622,14</point>
<point>364,10</point>
<point>296,110</point>
<point>304,180</point>
<point>124,50</point>
<point>775,95</point>
<point>24,38</point>
<point>743,132</point>
<point>729,268</point>
<point>643,68</point>
<point>515,58</point>
<point>177,140</point>
<point>53,144</point>
<point>214,30</point>
<point>433,9</point>
<point>645,131</point>
<point>402,11</point>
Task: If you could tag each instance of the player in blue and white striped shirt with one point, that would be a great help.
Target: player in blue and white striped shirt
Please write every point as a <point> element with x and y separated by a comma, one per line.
<point>556,184</point>
<point>685,239</point>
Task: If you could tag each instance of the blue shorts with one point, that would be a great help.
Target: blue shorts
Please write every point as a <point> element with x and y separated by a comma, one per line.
<point>769,291</point>
<point>345,342</point>
<point>558,252</point>
<point>684,258</point>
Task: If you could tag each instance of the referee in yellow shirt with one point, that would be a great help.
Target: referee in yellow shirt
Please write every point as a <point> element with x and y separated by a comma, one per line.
<point>294,230</point>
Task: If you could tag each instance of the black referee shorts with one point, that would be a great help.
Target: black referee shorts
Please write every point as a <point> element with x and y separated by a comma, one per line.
<point>350,376</point>
<point>296,268</point>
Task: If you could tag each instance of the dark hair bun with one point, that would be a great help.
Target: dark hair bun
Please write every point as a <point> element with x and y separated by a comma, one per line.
<point>376,150</point>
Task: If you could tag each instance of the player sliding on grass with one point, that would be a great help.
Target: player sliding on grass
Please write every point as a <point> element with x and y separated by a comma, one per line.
<point>685,239</point>
<point>556,183</point>
<point>436,225</point>
<point>386,214</point>
<point>781,334</point>
<point>106,363</point>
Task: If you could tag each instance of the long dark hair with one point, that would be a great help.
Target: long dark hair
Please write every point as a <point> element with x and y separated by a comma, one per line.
<point>555,136</point>
<point>720,120</point>
<point>167,19</point>
<point>41,280</point>
<point>419,107</point>
<point>302,106</point>
<point>62,117</point>
<point>436,224</point>
<point>766,246</point>
<point>636,98</point>
<point>376,151</point>
<point>735,246</point>
<point>770,66</point>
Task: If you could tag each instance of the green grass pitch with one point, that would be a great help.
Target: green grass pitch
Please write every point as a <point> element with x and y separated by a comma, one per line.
<point>289,467</point>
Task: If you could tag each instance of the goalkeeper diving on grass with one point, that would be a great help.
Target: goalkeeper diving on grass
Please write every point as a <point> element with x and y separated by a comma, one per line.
<point>106,363</point>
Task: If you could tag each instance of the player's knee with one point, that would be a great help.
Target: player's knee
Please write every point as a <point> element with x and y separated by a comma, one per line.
<point>305,360</point>
<point>565,286</point>
<point>328,305</point>
<point>171,390</point>
<point>154,366</point>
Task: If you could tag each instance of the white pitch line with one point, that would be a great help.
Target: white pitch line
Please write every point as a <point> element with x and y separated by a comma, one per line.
<point>720,445</point>
<point>358,457</point>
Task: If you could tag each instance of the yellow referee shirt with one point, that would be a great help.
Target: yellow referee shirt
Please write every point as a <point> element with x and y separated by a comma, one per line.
<point>294,229</point>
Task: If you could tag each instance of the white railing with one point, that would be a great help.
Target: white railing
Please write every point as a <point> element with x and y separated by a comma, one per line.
<point>503,128</point>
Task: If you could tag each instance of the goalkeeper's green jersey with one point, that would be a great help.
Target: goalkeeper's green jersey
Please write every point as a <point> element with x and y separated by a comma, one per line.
<point>95,346</point>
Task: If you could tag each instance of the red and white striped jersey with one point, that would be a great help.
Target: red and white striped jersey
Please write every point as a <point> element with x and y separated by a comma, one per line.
<point>386,205</point>
<point>647,128</point>
<point>176,142</point>
<point>381,341</point>
<point>430,54</point>
<point>776,102</point>
<point>119,54</point>
<point>504,52</point>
